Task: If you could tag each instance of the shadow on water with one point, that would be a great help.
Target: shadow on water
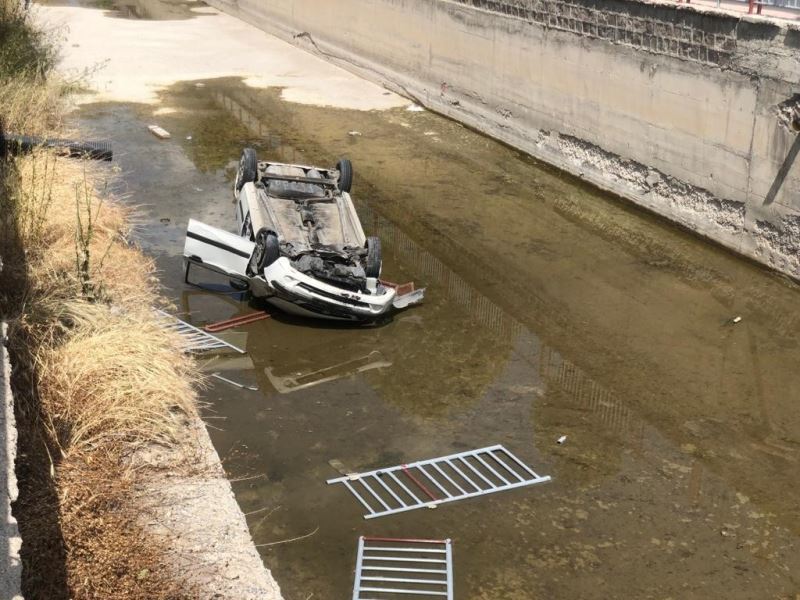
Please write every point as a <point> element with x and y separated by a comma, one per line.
<point>551,310</point>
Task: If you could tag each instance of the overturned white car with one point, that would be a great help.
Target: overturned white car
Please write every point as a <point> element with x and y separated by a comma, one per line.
<point>298,243</point>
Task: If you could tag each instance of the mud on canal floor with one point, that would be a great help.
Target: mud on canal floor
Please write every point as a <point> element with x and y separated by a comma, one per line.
<point>551,310</point>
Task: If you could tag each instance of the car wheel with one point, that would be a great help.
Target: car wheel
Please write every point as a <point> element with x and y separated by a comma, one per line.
<point>345,168</point>
<point>248,169</point>
<point>267,251</point>
<point>374,261</point>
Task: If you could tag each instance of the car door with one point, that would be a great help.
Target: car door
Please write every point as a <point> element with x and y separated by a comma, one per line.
<point>218,250</point>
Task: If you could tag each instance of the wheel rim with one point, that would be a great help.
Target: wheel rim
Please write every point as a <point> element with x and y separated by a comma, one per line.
<point>260,250</point>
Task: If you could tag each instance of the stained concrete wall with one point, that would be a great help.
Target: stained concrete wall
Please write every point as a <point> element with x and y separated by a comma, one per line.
<point>682,110</point>
<point>10,540</point>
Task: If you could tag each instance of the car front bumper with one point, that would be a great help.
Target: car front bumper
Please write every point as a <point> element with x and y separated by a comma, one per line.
<point>322,299</point>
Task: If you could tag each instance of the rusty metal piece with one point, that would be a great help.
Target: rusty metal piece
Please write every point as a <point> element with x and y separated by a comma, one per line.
<point>401,288</point>
<point>237,322</point>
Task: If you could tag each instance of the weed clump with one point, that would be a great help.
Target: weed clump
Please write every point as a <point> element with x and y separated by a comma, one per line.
<point>25,49</point>
<point>97,382</point>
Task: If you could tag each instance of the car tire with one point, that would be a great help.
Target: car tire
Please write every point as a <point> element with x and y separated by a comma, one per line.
<point>267,251</point>
<point>373,263</point>
<point>248,169</point>
<point>345,168</point>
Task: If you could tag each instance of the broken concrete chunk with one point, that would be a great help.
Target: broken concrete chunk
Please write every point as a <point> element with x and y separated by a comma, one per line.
<point>652,179</point>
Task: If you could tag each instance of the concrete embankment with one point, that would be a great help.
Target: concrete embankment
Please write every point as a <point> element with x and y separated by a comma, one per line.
<point>684,111</point>
<point>196,520</point>
<point>10,540</point>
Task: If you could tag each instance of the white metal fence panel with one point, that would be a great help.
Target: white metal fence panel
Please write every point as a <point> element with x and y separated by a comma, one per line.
<point>399,567</point>
<point>195,340</point>
<point>429,483</point>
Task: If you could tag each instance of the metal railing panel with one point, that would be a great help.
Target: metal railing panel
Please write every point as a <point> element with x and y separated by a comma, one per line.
<point>410,476</point>
<point>194,339</point>
<point>376,572</point>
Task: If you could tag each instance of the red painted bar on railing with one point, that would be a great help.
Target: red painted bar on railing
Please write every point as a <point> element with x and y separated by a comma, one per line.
<point>420,485</point>
<point>237,322</point>
<point>401,288</point>
<point>402,540</point>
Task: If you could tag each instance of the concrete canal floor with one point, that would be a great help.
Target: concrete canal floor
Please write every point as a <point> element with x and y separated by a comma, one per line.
<point>551,310</point>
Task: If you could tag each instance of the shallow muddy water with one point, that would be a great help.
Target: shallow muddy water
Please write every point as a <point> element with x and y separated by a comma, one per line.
<point>551,310</point>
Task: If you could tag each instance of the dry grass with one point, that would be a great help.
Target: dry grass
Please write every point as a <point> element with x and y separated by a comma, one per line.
<point>118,378</point>
<point>88,540</point>
<point>100,380</point>
<point>56,201</point>
<point>96,379</point>
<point>64,214</point>
<point>30,106</point>
<point>24,47</point>
<point>101,562</point>
<point>106,373</point>
<point>29,101</point>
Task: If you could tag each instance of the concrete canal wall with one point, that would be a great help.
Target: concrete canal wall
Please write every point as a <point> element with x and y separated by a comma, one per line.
<point>10,540</point>
<point>685,111</point>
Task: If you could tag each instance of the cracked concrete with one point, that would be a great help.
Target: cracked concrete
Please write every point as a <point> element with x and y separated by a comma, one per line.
<point>784,237</point>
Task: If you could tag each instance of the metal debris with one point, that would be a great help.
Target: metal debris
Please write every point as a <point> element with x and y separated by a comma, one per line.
<point>409,299</point>
<point>401,566</point>
<point>406,294</point>
<point>237,321</point>
<point>195,340</point>
<point>241,386</point>
<point>439,480</point>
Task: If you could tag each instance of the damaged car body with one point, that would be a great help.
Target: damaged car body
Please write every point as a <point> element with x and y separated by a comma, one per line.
<point>298,243</point>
